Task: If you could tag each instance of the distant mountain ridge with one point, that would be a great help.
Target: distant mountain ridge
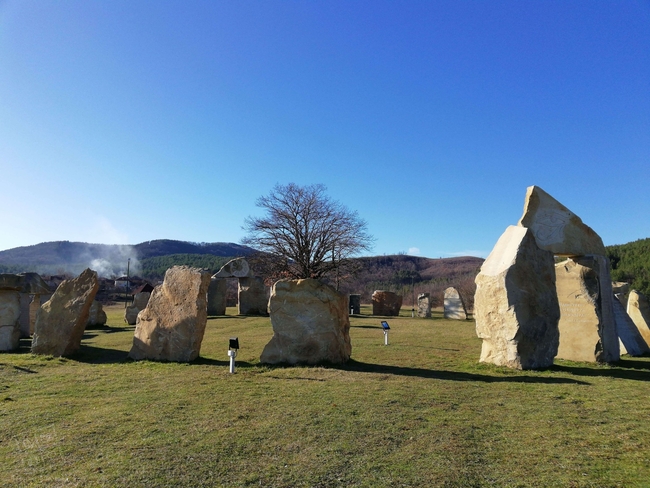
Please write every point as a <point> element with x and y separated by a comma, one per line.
<point>66,252</point>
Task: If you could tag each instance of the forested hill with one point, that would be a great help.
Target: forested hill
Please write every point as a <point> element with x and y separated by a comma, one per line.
<point>631,262</point>
<point>72,257</point>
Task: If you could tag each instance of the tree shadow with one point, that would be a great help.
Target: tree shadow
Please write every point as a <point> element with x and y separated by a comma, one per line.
<point>357,366</point>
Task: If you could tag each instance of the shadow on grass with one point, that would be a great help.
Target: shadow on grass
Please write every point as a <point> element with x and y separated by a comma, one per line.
<point>624,369</point>
<point>352,365</point>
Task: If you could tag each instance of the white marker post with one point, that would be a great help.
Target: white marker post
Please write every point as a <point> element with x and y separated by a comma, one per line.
<point>232,352</point>
<point>386,328</point>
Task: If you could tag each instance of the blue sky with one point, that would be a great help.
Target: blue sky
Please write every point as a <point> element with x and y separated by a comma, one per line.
<point>127,121</point>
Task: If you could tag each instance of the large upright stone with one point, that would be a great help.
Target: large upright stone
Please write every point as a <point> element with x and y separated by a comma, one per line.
<point>424,305</point>
<point>61,321</point>
<point>355,304</point>
<point>515,306</point>
<point>454,307</point>
<point>140,301</point>
<point>310,324</point>
<point>217,296</point>
<point>556,228</point>
<point>587,326</point>
<point>253,298</point>
<point>9,320</point>
<point>171,328</point>
<point>386,303</point>
<point>621,291</point>
<point>97,316</point>
<point>630,340</point>
<point>25,302</point>
<point>639,311</point>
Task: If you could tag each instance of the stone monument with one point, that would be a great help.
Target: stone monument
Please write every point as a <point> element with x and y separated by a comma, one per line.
<point>424,305</point>
<point>217,297</point>
<point>454,305</point>
<point>310,324</point>
<point>355,304</point>
<point>639,311</point>
<point>386,303</point>
<point>172,325</point>
<point>252,293</point>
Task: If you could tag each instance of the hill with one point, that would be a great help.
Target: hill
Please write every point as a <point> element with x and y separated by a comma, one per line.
<point>631,262</point>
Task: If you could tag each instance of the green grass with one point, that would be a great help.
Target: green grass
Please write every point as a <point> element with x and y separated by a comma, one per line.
<point>420,412</point>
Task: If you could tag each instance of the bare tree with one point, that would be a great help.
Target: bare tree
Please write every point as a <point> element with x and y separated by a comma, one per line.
<point>305,234</point>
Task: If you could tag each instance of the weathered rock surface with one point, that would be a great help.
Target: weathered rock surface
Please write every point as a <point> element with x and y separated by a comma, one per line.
<point>310,324</point>
<point>639,311</point>
<point>386,303</point>
<point>171,328</point>
<point>140,301</point>
<point>516,306</point>
<point>235,268</point>
<point>454,307</point>
<point>355,304</point>
<point>217,296</point>
<point>96,316</point>
<point>587,326</point>
<point>25,302</point>
<point>61,321</point>
<point>630,340</point>
<point>131,314</point>
<point>253,296</point>
<point>30,283</point>
<point>34,307</point>
<point>9,320</point>
<point>556,228</point>
<point>621,291</point>
<point>424,305</point>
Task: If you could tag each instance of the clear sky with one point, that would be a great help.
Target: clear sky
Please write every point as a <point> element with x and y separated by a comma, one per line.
<point>127,121</point>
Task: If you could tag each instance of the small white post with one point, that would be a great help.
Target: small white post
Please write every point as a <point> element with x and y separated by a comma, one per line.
<point>232,354</point>
<point>385,337</point>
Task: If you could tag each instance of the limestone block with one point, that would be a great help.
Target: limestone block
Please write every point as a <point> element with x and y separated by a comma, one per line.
<point>34,307</point>
<point>61,321</point>
<point>630,340</point>
<point>639,311</point>
<point>556,228</point>
<point>9,320</point>
<point>25,301</point>
<point>310,324</point>
<point>97,316</point>
<point>621,291</point>
<point>454,307</point>
<point>235,268</point>
<point>253,296</point>
<point>131,314</point>
<point>217,296</point>
<point>171,328</point>
<point>30,283</point>
<point>424,305</point>
<point>587,325</point>
<point>515,305</point>
<point>140,300</point>
<point>386,303</point>
<point>355,304</point>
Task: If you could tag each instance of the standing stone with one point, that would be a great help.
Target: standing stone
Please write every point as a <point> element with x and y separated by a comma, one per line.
<point>454,305</point>
<point>34,307</point>
<point>639,311</point>
<point>140,301</point>
<point>235,268</point>
<point>587,326</point>
<point>25,301</point>
<point>171,328</point>
<point>253,296</point>
<point>9,320</point>
<point>217,296</point>
<point>424,305</point>
<point>556,228</point>
<point>131,314</point>
<point>386,303</point>
<point>515,305</point>
<point>97,316</point>
<point>621,291</point>
<point>310,324</point>
<point>355,304</point>
<point>630,340</point>
<point>61,321</point>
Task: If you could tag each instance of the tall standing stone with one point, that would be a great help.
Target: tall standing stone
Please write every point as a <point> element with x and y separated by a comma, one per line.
<point>587,326</point>
<point>639,311</point>
<point>424,305</point>
<point>171,328</point>
<point>355,304</point>
<point>310,324</point>
<point>454,307</point>
<point>61,321</point>
<point>9,320</point>
<point>97,316</point>
<point>252,296</point>
<point>386,303</point>
<point>515,306</point>
<point>630,340</point>
<point>217,296</point>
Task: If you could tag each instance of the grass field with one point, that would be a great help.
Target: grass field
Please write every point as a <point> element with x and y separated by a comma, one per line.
<point>419,412</point>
